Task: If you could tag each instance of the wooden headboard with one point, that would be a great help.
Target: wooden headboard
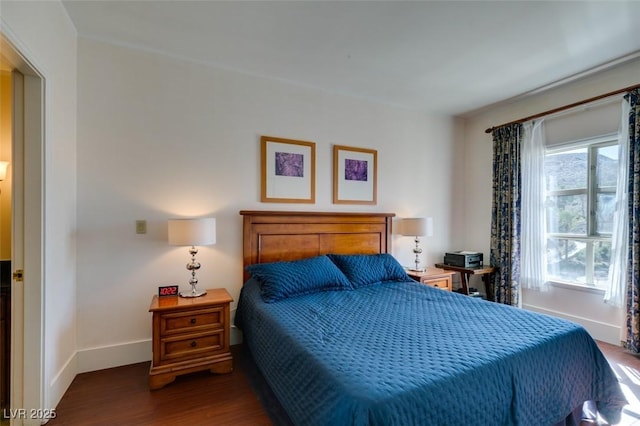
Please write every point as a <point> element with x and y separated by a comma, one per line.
<point>270,236</point>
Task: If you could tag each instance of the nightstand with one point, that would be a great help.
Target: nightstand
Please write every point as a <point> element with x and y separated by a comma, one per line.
<point>190,334</point>
<point>434,277</point>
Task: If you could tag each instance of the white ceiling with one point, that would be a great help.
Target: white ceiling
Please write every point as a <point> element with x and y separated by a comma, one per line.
<point>450,57</point>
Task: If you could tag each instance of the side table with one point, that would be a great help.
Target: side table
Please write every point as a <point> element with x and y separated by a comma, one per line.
<point>465,274</point>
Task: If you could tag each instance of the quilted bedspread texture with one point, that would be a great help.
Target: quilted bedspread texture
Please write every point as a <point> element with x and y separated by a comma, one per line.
<point>402,353</point>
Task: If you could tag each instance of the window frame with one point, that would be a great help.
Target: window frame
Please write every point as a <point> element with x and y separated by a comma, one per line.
<point>591,191</point>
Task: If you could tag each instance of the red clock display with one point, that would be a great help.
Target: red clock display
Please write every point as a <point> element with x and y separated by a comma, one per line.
<point>168,290</point>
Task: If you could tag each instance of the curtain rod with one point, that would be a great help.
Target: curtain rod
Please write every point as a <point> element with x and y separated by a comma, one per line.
<point>562,108</point>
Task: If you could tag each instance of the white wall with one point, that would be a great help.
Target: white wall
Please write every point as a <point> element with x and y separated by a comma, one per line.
<point>44,34</point>
<point>160,138</point>
<point>603,321</point>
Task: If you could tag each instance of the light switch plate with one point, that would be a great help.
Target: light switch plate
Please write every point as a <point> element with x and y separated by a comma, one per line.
<point>141,226</point>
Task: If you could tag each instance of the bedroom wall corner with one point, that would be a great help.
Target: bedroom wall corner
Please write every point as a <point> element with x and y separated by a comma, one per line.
<point>61,381</point>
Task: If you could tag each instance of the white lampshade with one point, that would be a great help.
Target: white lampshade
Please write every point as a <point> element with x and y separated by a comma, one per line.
<point>192,231</point>
<point>3,169</point>
<point>417,227</point>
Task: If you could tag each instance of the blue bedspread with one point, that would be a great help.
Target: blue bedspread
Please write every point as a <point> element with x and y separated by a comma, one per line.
<point>403,353</point>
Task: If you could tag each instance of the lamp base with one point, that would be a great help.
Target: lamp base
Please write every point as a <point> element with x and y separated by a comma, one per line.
<point>416,269</point>
<point>193,293</point>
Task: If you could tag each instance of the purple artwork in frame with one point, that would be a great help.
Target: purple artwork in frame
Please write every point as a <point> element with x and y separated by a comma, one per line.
<point>355,170</point>
<point>289,164</point>
<point>288,170</point>
<point>355,175</point>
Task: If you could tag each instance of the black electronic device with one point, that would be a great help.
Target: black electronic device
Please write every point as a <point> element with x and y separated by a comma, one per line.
<point>463,259</point>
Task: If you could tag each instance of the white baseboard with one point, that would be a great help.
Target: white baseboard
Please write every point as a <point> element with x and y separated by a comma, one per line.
<point>62,381</point>
<point>604,332</point>
<point>99,358</point>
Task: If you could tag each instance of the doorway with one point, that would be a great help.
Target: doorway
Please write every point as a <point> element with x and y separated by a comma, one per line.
<point>5,234</point>
<point>26,385</point>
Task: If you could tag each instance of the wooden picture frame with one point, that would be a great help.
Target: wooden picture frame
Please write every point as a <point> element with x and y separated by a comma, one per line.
<point>355,175</point>
<point>288,170</point>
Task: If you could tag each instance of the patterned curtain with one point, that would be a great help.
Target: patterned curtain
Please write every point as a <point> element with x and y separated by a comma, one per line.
<point>633,261</point>
<point>505,214</point>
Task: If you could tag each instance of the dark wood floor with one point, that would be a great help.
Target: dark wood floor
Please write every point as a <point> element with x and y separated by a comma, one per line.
<point>121,396</point>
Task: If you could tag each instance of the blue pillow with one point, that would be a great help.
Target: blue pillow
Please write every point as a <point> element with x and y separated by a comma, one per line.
<point>279,280</point>
<point>366,269</point>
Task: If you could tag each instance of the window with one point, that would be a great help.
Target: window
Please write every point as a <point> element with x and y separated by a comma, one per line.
<point>580,184</point>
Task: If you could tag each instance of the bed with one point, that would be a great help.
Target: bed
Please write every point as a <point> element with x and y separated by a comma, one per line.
<point>343,336</point>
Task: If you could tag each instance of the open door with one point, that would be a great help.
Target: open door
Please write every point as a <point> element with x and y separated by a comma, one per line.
<point>27,349</point>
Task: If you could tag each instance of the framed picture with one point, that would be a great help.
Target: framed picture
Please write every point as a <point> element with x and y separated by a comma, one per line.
<point>355,175</point>
<point>288,171</point>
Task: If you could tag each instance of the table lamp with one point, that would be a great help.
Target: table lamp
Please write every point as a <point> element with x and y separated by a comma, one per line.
<point>192,232</point>
<point>3,169</point>
<point>417,227</point>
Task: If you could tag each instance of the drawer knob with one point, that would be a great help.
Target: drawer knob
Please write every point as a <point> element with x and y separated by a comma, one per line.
<point>194,344</point>
<point>193,320</point>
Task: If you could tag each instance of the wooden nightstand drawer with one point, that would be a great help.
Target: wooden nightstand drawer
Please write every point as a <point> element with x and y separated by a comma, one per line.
<point>189,346</point>
<point>191,321</point>
<point>444,283</point>
<point>434,277</point>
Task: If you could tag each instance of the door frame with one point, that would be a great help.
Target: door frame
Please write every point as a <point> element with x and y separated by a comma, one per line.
<point>27,389</point>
